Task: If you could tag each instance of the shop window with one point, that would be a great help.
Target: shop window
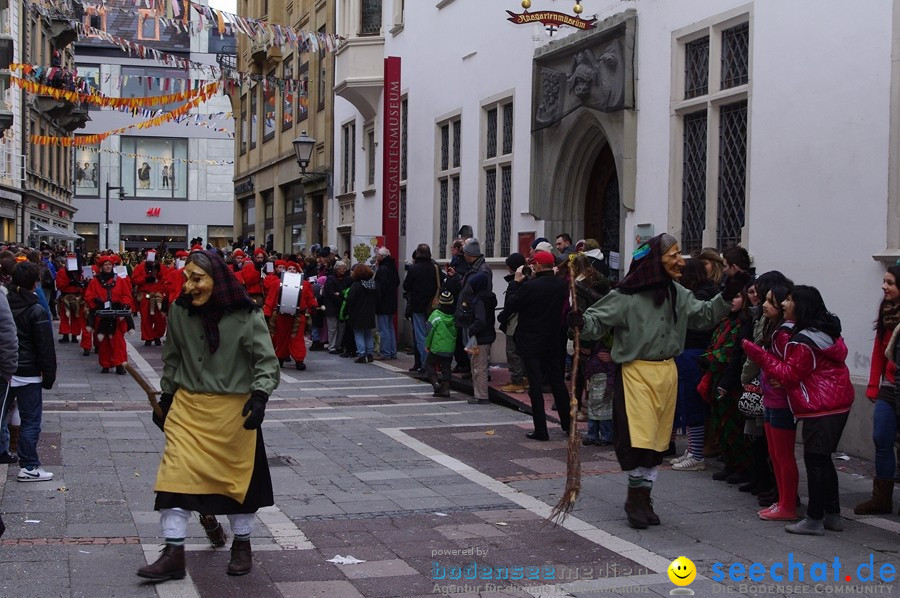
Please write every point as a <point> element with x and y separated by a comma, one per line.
<point>154,167</point>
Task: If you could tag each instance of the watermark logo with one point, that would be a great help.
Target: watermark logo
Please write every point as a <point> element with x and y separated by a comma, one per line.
<point>682,573</point>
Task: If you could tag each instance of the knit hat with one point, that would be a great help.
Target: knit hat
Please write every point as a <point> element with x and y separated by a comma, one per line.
<point>472,247</point>
<point>544,246</point>
<point>534,243</point>
<point>238,253</point>
<point>514,261</point>
<point>181,254</point>
<point>324,251</point>
<point>544,258</point>
<point>446,298</point>
<point>281,263</point>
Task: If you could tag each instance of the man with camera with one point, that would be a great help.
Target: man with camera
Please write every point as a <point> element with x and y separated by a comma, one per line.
<point>539,303</point>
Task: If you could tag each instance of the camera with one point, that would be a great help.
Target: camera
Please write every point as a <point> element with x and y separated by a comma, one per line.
<point>527,271</point>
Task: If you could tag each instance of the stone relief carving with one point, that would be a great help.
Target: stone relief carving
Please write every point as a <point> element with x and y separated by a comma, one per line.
<point>550,106</point>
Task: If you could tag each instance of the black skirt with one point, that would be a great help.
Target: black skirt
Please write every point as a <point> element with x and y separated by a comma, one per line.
<point>259,494</point>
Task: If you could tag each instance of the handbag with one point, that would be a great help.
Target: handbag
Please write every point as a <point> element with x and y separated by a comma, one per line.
<point>750,404</point>
<point>436,300</point>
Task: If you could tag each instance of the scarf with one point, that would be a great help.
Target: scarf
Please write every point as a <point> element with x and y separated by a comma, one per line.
<point>228,295</point>
<point>890,315</point>
<point>647,273</point>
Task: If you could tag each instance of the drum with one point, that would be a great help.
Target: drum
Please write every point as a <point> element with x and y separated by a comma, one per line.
<point>289,295</point>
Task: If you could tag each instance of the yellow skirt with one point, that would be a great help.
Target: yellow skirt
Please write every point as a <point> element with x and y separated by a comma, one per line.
<point>651,391</point>
<point>208,450</point>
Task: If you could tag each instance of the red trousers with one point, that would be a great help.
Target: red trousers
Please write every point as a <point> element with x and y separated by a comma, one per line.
<point>71,322</point>
<point>285,342</point>
<point>87,339</point>
<point>112,348</point>
<point>152,326</point>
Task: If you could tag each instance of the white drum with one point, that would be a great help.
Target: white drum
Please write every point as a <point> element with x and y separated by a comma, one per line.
<point>289,295</point>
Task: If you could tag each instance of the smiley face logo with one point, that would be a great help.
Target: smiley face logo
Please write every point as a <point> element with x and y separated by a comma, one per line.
<point>682,571</point>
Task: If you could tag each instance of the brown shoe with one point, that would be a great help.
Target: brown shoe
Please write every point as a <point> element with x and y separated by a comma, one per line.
<point>241,558</point>
<point>634,509</point>
<point>214,532</point>
<point>652,517</point>
<point>169,565</point>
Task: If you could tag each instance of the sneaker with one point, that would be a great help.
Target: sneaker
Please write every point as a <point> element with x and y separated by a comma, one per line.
<point>775,513</point>
<point>807,527</point>
<point>687,454</point>
<point>34,474</point>
<point>690,464</point>
<point>833,522</point>
<point>514,387</point>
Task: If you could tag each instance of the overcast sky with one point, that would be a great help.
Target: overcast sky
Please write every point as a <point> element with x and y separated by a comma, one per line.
<point>226,5</point>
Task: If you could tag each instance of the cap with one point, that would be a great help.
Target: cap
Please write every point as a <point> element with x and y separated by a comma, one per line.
<point>544,257</point>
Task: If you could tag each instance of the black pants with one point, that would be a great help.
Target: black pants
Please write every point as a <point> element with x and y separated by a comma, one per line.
<point>822,481</point>
<point>462,358</point>
<point>546,370</point>
<point>432,362</point>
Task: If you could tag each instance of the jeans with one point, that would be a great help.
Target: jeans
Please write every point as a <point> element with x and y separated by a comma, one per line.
<point>30,400</point>
<point>884,431</point>
<point>691,410</point>
<point>365,341</point>
<point>600,429</point>
<point>420,332</point>
<point>388,335</point>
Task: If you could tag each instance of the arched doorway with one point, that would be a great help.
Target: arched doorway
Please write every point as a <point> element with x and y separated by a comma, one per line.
<point>601,205</point>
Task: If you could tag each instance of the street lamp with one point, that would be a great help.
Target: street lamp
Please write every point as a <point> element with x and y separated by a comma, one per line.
<point>121,191</point>
<point>303,148</point>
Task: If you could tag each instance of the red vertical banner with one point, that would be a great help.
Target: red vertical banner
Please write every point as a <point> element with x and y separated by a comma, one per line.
<point>390,208</point>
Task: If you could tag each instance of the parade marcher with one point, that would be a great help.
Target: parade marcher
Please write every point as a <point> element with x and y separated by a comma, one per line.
<point>816,380</point>
<point>175,278</point>
<point>150,279</point>
<point>252,276</point>
<point>107,292</point>
<point>237,263</point>
<point>649,315</point>
<point>387,281</point>
<point>36,369</point>
<point>70,283</point>
<point>219,369</point>
<point>289,331</point>
<point>540,302</point>
<point>882,391</point>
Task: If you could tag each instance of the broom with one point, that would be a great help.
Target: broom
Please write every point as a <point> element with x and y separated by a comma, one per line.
<point>573,459</point>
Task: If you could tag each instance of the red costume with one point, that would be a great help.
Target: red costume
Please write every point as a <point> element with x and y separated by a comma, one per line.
<point>151,281</point>
<point>289,332</point>
<point>252,277</point>
<point>71,302</point>
<point>107,291</point>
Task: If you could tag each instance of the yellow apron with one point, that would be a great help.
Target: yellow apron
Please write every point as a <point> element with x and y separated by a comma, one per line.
<point>208,451</point>
<point>651,390</point>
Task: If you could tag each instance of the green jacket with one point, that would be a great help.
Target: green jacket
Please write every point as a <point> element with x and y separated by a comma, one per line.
<point>641,330</point>
<point>441,339</point>
<point>244,362</point>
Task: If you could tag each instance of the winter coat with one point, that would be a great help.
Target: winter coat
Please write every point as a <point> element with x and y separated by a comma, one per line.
<point>813,373</point>
<point>361,305</point>
<point>539,303</point>
<point>479,265</point>
<point>37,351</point>
<point>9,340</point>
<point>387,281</point>
<point>441,339</point>
<point>774,396</point>
<point>421,285</point>
<point>483,328</point>
<point>332,296</point>
<point>882,368</point>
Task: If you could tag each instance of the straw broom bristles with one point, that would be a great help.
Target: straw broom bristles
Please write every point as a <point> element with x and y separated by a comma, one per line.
<point>573,459</point>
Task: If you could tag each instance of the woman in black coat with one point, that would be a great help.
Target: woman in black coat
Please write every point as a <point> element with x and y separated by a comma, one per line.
<point>361,312</point>
<point>387,281</point>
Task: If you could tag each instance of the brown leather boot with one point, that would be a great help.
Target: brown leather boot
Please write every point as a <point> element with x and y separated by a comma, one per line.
<point>881,502</point>
<point>652,517</point>
<point>241,558</point>
<point>634,508</point>
<point>214,531</point>
<point>169,565</point>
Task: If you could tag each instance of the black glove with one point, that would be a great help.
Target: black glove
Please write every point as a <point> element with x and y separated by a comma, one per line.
<point>47,382</point>
<point>98,304</point>
<point>165,403</point>
<point>734,284</point>
<point>575,319</point>
<point>256,407</point>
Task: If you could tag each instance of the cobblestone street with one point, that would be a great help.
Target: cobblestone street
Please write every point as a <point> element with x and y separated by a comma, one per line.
<point>366,464</point>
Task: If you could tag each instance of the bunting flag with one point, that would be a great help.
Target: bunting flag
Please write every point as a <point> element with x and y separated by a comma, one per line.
<point>159,158</point>
<point>82,140</point>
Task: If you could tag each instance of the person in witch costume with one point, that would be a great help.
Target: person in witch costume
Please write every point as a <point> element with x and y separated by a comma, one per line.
<point>219,369</point>
<point>649,315</point>
<point>108,292</point>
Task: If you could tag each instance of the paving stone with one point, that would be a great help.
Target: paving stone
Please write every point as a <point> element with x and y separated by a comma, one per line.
<point>318,589</point>
<point>386,568</point>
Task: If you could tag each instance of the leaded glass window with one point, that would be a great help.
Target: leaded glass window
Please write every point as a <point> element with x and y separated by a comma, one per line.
<point>693,194</point>
<point>491,133</point>
<point>696,68</point>
<point>370,23</point>
<point>507,128</point>
<point>732,173</point>
<point>490,211</point>
<point>736,56</point>
<point>455,199</point>
<point>445,147</point>
<point>443,220</point>
<point>505,210</point>
<point>457,139</point>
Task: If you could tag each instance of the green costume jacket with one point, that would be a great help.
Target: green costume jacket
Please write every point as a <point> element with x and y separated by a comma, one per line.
<point>244,362</point>
<point>641,330</point>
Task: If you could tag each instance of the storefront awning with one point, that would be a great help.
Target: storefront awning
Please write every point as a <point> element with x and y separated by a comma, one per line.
<point>47,230</point>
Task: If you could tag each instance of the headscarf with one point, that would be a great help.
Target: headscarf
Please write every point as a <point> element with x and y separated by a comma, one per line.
<point>647,272</point>
<point>228,295</point>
